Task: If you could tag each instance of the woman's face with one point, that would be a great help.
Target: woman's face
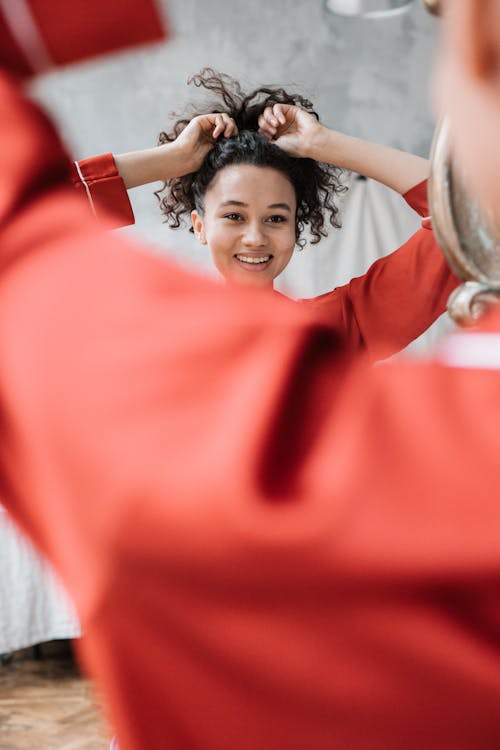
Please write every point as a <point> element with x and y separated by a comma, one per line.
<point>248,223</point>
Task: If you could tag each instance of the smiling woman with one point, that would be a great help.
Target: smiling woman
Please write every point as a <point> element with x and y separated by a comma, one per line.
<point>250,138</point>
<point>250,172</point>
<point>248,221</point>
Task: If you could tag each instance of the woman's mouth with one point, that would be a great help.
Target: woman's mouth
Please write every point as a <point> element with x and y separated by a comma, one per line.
<point>254,262</point>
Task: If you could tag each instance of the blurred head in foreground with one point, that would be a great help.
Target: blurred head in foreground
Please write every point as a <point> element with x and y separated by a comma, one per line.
<point>468,90</point>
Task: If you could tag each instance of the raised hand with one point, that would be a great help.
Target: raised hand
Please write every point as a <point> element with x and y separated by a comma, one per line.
<point>200,135</point>
<point>179,157</point>
<point>291,128</point>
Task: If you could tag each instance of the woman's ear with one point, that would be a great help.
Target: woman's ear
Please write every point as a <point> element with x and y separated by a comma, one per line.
<point>478,29</point>
<point>198,227</point>
<point>468,91</point>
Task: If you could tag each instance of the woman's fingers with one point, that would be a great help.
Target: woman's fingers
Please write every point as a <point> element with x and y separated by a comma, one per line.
<point>270,117</point>
<point>280,112</point>
<point>219,126</point>
<point>267,131</point>
<point>223,125</point>
<point>231,127</point>
<point>268,124</point>
<point>275,120</point>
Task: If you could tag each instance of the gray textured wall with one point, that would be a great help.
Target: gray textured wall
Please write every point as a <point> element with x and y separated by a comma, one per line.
<point>368,78</point>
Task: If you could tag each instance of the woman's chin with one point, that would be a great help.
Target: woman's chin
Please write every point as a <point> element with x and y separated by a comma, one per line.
<point>255,280</point>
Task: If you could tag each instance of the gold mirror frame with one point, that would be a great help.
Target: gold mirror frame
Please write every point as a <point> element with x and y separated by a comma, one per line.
<point>467,240</point>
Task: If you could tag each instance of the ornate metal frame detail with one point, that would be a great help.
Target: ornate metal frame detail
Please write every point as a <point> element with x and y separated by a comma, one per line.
<point>467,303</point>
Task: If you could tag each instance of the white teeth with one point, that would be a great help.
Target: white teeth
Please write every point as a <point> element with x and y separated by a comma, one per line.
<point>249,259</point>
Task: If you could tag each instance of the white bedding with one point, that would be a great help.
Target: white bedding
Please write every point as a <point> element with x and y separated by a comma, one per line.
<point>33,605</point>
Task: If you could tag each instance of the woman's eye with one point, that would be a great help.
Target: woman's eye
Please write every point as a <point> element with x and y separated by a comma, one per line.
<point>233,217</point>
<point>277,219</point>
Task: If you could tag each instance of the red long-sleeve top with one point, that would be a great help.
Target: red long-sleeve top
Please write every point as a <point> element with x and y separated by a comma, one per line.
<point>395,301</point>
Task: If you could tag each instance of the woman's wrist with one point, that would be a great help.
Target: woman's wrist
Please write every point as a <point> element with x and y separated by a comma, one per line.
<point>324,145</point>
<point>153,164</point>
<point>173,161</point>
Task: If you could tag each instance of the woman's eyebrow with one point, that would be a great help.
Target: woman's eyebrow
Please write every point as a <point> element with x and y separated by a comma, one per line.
<point>280,205</point>
<point>285,206</point>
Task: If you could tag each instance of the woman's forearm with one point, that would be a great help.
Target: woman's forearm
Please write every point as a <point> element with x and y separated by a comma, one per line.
<point>396,169</point>
<point>151,165</point>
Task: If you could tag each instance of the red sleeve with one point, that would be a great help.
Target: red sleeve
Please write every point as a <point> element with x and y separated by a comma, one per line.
<point>417,199</point>
<point>398,298</point>
<point>270,545</point>
<point>99,180</point>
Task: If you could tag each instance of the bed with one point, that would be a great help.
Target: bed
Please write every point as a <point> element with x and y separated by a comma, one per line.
<point>33,605</point>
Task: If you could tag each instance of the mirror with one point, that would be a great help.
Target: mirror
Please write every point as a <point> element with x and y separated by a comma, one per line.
<point>469,237</point>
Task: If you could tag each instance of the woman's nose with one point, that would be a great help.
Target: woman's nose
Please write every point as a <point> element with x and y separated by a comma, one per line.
<point>254,236</point>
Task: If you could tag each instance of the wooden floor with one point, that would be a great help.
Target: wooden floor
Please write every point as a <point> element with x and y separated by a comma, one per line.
<point>46,705</point>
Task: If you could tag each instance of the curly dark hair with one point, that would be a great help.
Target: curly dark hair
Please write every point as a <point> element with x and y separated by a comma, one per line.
<point>316,184</point>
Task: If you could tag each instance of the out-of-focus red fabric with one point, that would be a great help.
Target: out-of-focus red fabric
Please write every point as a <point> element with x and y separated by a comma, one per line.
<point>270,544</point>
<point>76,30</point>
